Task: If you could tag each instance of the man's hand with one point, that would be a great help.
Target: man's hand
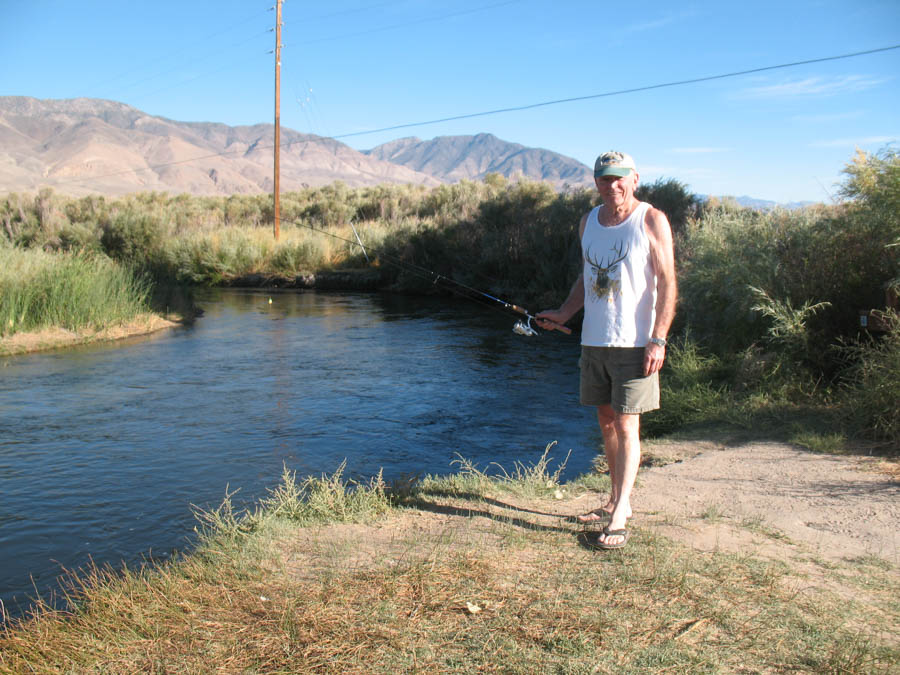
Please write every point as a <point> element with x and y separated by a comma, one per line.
<point>654,355</point>
<point>555,320</point>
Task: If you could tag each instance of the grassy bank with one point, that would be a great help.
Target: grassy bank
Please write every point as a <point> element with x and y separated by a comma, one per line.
<point>462,573</point>
<point>40,289</point>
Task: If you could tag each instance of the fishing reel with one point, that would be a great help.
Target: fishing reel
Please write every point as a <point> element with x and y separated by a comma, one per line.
<point>525,329</point>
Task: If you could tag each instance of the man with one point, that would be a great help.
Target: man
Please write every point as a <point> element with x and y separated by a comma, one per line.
<point>628,290</point>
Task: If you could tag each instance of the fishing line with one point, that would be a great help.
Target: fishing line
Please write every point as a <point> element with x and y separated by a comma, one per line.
<point>521,327</point>
<point>360,241</point>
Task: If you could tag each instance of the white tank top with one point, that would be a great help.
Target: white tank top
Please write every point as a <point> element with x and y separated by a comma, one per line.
<point>619,282</point>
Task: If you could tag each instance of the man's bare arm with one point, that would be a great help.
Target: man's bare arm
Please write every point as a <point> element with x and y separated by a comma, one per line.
<point>568,309</point>
<point>575,299</point>
<point>662,259</point>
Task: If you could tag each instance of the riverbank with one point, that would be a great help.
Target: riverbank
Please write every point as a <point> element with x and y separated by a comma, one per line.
<point>59,338</point>
<point>468,573</point>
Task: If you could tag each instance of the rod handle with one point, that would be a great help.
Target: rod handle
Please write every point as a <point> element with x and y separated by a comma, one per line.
<point>559,327</point>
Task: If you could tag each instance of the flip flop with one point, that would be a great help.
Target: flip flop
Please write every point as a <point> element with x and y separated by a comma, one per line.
<point>613,533</point>
<point>593,516</point>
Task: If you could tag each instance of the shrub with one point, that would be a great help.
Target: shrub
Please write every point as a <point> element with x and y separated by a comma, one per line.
<point>673,198</point>
<point>131,237</point>
<point>290,258</point>
<point>870,393</point>
<point>692,389</point>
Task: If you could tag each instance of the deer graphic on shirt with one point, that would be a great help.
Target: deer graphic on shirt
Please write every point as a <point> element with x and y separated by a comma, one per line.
<point>607,279</point>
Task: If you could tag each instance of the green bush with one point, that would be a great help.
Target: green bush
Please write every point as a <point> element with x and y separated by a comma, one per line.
<point>693,389</point>
<point>292,258</point>
<point>132,237</point>
<point>870,393</point>
<point>673,198</point>
<point>838,260</point>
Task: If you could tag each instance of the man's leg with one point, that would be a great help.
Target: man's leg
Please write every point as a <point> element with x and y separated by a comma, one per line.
<point>606,417</point>
<point>623,470</point>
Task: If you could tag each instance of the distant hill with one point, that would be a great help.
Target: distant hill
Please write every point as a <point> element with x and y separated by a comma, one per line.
<point>766,205</point>
<point>455,158</point>
<point>81,146</point>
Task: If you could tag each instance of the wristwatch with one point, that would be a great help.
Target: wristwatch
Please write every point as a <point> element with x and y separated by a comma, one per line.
<point>658,341</point>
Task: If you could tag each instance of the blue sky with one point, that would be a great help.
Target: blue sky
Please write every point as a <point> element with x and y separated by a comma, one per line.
<point>351,66</point>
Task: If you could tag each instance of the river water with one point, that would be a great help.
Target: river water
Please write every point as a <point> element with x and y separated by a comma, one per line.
<point>104,449</point>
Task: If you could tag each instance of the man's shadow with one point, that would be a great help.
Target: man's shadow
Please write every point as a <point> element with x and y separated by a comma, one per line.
<point>586,537</point>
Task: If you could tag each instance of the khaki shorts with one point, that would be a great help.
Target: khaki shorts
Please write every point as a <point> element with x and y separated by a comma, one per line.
<point>615,376</point>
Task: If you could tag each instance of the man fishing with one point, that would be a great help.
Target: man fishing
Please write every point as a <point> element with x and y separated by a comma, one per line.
<point>628,290</point>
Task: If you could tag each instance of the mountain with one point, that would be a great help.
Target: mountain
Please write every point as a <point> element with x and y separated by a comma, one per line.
<point>81,146</point>
<point>455,158</point>
<point>766,205</point>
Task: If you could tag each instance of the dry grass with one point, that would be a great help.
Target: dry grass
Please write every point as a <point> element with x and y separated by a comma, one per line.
<point>457,583</point>
<point>57,338</point>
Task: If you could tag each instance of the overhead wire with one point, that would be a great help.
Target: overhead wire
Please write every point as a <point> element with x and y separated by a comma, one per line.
<point>354,10</point>
<point>620,92</point>
<point>529,106</point>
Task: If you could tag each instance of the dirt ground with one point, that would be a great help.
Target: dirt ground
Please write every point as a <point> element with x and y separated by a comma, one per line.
<point>810,511</point>
<point>769,498</point>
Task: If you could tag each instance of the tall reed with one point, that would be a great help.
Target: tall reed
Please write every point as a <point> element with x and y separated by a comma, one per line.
<point>39,289</point>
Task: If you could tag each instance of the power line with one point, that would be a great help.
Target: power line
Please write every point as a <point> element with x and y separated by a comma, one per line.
<point>498,111</point>
<point>619,92</point>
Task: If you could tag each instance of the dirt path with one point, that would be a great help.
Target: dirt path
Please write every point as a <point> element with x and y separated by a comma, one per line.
<point>771,499</point>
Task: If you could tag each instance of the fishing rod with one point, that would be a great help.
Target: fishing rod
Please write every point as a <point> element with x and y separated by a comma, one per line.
<point>520,328</point>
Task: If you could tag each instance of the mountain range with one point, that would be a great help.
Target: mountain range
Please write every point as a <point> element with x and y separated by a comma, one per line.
<point>455,158</point>
<point>81,146</point>
<point>93,146</point>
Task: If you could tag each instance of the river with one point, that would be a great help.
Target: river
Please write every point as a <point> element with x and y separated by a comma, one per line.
<point>104,449</point>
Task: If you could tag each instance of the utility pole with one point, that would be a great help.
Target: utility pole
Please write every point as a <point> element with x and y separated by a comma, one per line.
<point>277,116</point>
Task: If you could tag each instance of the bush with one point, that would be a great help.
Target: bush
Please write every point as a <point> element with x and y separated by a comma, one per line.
<point>132,237</point>
<point>870,393</point>
<point>836,259</point>
<point>692,389</point>
<point>673,198</point>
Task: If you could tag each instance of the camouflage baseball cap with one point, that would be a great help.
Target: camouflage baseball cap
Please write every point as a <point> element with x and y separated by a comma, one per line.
<point>613,163</point>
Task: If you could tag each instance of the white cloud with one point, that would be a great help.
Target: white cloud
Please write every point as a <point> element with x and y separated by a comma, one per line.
<point>815,86</point>
<point>854,142</point>
<point>650,25</point>
<point>661,22</point>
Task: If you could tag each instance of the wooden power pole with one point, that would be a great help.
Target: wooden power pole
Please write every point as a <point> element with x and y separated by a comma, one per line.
<point>277,116</point>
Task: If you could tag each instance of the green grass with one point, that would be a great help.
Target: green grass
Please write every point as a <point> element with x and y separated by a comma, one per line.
<point>39,289</point>
<point>525,480</point>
